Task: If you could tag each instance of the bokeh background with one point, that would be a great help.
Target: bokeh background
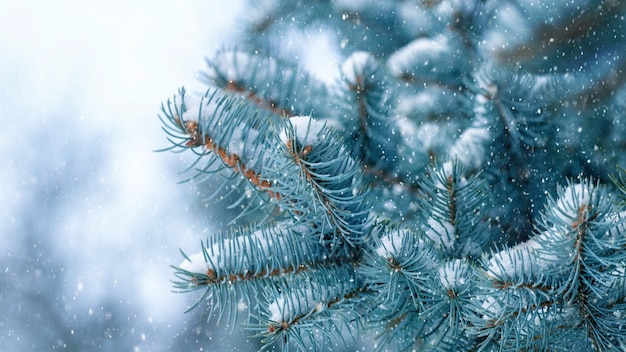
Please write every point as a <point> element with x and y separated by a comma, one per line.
<point>90,216</point>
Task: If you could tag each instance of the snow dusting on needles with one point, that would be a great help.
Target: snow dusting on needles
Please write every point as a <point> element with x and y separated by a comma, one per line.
<point>574,198</point>
<point>309,298</point>
<point>191,107</point>
<point>441,232</point>
<point>470,147</point>
<point>216,253</point>
<point>354,66</point>
<point>391,243</point>
<point>506,264</point>
<point>195,264</point>
<point>452,275</point>
<point>307,131</point>
<point>537,255</point>
<point>424,48</point>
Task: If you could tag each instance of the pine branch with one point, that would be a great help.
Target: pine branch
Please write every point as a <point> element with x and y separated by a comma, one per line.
<point>298,309</point>
<point>225,130</point>
<point>430,61</point>
<point>453,220</point>
<point>238,265</point>
<point>404,200</point>
<point>560,275</point>
<point>331,180</point>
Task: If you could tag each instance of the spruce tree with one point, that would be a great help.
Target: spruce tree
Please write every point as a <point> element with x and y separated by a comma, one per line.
<point>459,187</point>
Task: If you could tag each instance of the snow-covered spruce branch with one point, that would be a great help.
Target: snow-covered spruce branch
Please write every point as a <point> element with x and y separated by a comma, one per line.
<point>422,297</point>
<point>453,210</point>
<point>431,60</point>
<point>237,265</point>
<point>450,126</point>
<point>519,102</point>
<point>561,288</point>
<point>523,293</point>
<point>334,199</point>
<point>314,309</point>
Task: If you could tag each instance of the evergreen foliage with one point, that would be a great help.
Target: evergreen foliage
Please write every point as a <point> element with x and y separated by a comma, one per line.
<point>455,189</point>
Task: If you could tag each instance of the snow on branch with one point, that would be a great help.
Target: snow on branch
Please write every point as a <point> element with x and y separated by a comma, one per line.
<point>562,274</point>
<point>322,300</point>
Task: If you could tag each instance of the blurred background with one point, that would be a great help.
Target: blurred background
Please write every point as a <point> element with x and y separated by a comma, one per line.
<point>90,217</point>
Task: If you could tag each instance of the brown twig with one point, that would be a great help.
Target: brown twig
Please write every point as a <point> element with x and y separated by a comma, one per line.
<point>233,161</point>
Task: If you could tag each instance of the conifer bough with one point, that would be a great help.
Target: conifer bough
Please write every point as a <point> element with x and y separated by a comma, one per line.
<point>458,187</point>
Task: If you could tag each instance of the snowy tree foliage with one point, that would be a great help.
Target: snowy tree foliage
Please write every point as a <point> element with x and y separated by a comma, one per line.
<point>457,187</point>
